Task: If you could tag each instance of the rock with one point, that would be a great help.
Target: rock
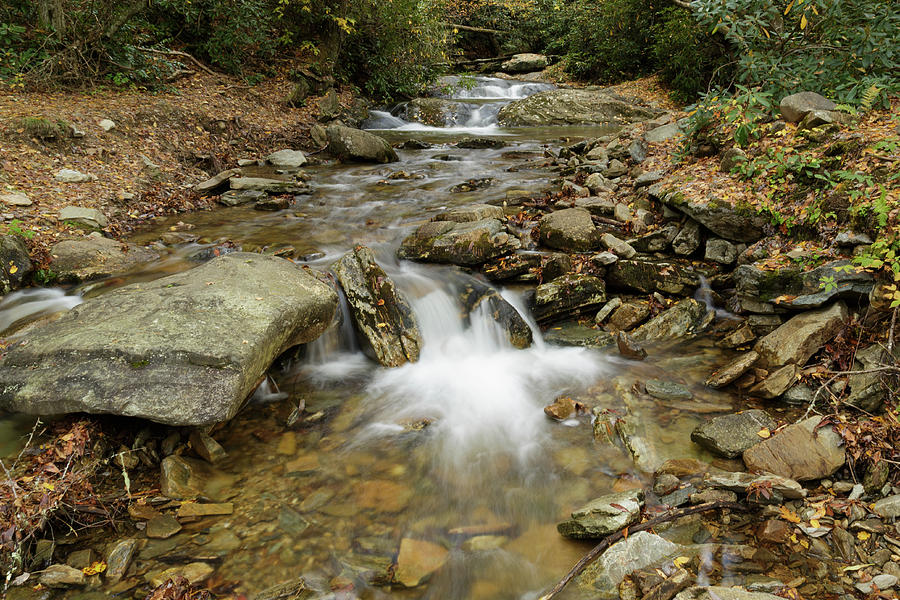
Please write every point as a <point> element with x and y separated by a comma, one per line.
<point>647,276</point>
<point>470,185</point>
<point>732,158</point>
<point>268,185</point>
<point>844,238</point>
<point>106,125</point>
<point>162,527</point>
<point>732,370</point>
<point>72,176</point>
<point>476,296</point>
<point>15,265</point>
<point>607,310</point>
<point>730,435</point>
<point>118,559</point>
<point>720,217</point>
<point>62,576</point>
<point>572,293</point>
<point>662,133</point>
<point>665,483</point>
<point>800,337</point>
<point>799,452</point>
<point>572,333</point>
<point>796,106</point>
<point>667,390</point>
<point>597,184</point>
<point>603,516</point>
<point>480,143</point>
<point>721,251</point>
<point>743,482</point>
<point>572,107</point>
<point>470,244</point>
<point>722,593</point>
<point>803,290</point>
<point>207,448</point>
<point>817,118</point>
<point>616,168</point>
<point>563,408</point>
<point>381,314</point>
<point>570,230</point>
<point>686,318</point>
<point>622,213</point>
<point>16,199</point>
<point>94,257</point>
<point>217,184</point>
<point>649,178</point>
<point>688,239</point>
<point>296,589</point>
<point>89,217</point>
<point>472,212</point>
<point>357,145</point>
<point>867,390</point>
<point>224,323</point>
<point>637,151</point>
<point>417,560</point>
<point>195,572</point>
<point>273,203</point>
<point>638,551</point>
<point>524,63</point>
<point>182,478</point>
<point>329,105</point>
<point>655,241</point>
<point>194,509</point>
<point>237,197</point>
<point>629,348</point>
<point>776,383</point>
<point>741,336</point>
<point>629,315</point>
<point>620,248</point>
<point>287,159</point>
<point>888,508</point>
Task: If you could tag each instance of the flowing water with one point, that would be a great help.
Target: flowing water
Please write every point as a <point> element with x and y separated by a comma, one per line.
<point>455,450</point>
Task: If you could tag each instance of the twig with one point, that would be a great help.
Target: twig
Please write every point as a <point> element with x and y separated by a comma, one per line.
<point>474,29</point>
<point>884,369</point>
<point>609,540</point>
<point>890,344</point>
<point>179,53</point>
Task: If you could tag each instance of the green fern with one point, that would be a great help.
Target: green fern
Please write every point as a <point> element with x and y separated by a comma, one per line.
<point>869,97</point>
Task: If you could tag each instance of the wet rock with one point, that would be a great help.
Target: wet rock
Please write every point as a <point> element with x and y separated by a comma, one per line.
<point>687,317</point>
<point>477,296</point>
<point>796,106</point>
<point>722,593</point>
<point>162,527</point>
<point>470,185</point>
<point>195,572</point>
<point>656,241</point>
<point>382,315</point>
<point>80,559</point>
<point>357,145</point>
<point>194,509</point>
<point>741,336</point>
<point>629,348</point>
<point>883,582</point>
<point>721,251</point>
<point>720,217</point>
<point>287,159</point>
<point>473,212</point>
<point>468,244</point>
<point>118,559</point>
<point>216,184</point>
<point>607,310</point>
<point>484,543</point>
<point>269,185</point>
<point>95,257</point>
<point>183,478</point>
<point>563,408</point>
<point>80,215</point>
<point>730,435</point>
<point>667,390</point>
<point>665,484</point>
<point>670,586</point>
<point>570,230</point>
<point>73,176</point>
<point>647,276</point>
<point>572,333</point>
<point>273,203</point>
<point>638,551</point>
<point>524,63</point>
<point>511,267</point>
<point>688,239</point>
<point>383,495</point>
<point>799,338</point>
<point>289,590</point>
<point>480,143</point>
<point>629,315</point>
<point>743,482</point>
<point>225,322</point>
<point>572,107</point>
<point>603,516</point>
<point>237,197</point>
<point>15,265</point>
<point>572,293</point>
<point>777,382</point>
<point>620,248</point>
<point>207,448</point>
<point>800,452</point>
<point>62,576</point>
<point>417,560</point>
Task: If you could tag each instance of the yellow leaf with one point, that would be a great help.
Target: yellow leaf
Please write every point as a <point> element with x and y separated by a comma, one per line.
<point>791,516</point>
<point>814,523</point>
<point>681,561</point>
<point>764,433</point>
<point>97,567</point>
<point>863,535</point>
<point>789,7</point>
<point>804,543</point>
<point>48,486</point>
<point>803,22</point>
<point>852,568</point>
<point>382,325</point>
<point>13,269</point>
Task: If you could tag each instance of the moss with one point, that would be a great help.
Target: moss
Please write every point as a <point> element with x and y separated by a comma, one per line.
<point>41,128</point>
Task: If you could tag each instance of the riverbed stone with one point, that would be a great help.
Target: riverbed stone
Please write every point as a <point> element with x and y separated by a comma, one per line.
<point>162,527</point>
<point>118,559</point>
<point>792,287</point>
<point>719,216</point>
<point>741,483</point>
<point>469,244</point>
<point>287,159</point>
<point>217,183</point>
<point>238,197</point>
<point>94,257</point>
<point>717,592</point>
<point>800,337</point>
<point>186,349</point>
<point>183,478</point>
<point>730,435</point>
<point>478,296</point>
<point>381,313</point>
<point>638,551</point>
<point>80,215</point>
<point>524,63</point>
<point>800,451</point>
<point>62,576</point>
<point>655,241</point>
<point>688,239</point>
<point>472,212</point>
<point>357,145</point>
<point>572,293</point>
<point>662,389</point>
<point>603,516</point>
<point>572,107</point>
<point>15,264</point>
<point>687,317</point>
<point>796,106</point>
<point>194,572</point>
<point>570,230</point>
<point>417,560</point>
<point>619,247</point>
<point>647,276</point>
<point>629,315</point>
<point>270,185</point>
<point>776,383</point>
<point>206,447</point>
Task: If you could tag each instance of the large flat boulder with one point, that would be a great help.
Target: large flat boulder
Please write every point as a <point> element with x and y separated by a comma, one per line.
<point>573,107</point>
<point>796,106</point>
<point>469,243</point>
<point>638,551</point>
<point>381,314</point>
<point>186,349</point>
<point>803,451</point>
<point>647,276</point>
<point>801,336</point>
<point>727,221</point>
<point>570,230</point>
<point>357,145</point>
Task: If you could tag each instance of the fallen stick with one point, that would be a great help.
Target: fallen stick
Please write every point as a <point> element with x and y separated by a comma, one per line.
<point>609,540</point>
<point>179,53</point>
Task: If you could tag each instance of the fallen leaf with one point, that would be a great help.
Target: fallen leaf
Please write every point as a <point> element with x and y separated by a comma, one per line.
<point>764,433</point>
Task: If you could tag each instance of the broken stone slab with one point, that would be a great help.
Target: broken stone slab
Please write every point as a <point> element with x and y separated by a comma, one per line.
<point>572,107</point>
<point>570,230</point>
<point>469,244</point>
<point>730,435</point>
<point>89,217</point>
<point>629,315</point>
<point>794,288</point>
<point>186,349</point>
<point>16,199</point>
<point>380,312</point>
<point>118,559</point>
<point>776,383</point>
<point>566,295</point>
<point>800,337</point>
<point>95,256</point>
<point>741,336</point>
<point>800,451</point>
<point>686,318</point>
<point>603,516</point>
<point>572,333</point>
<point>720,251</point>
<point>217,183</point>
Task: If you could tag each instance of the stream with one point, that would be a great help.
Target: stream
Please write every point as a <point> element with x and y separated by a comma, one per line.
<point>454,452</point>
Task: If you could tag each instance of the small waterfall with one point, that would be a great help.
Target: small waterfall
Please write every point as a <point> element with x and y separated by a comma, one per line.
<point>704,295</point>
<point>335,355</point>
<point>27,305</point>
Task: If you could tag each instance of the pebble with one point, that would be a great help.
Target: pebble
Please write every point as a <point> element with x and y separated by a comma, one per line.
<point>163,527</point>
<point>857,492</point>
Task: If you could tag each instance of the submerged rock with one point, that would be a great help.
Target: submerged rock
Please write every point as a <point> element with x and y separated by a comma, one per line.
<point>717,592</point>
<point>470,243</point>
<point>417,560</point>
<point>357,145</point>
<point>572,107</point>
<point>603,516</point>
<point>186,349</point>
<point>381,314</point>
